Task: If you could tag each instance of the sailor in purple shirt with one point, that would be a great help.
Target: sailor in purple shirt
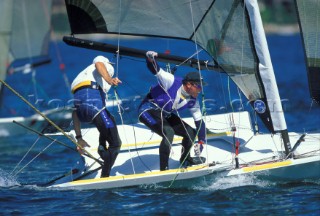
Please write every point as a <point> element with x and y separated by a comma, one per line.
<point>158,111</point>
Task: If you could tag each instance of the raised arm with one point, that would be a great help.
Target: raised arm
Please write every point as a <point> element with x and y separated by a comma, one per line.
<point>165,79</point>
<point>151,62</point>
<point>102,70</point>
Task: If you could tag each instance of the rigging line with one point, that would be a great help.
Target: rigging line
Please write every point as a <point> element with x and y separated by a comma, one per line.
<point>142,161</point>
<point>203,111</point>
<point>115,91</point>
<point>242,57</point>
<point>87,173</point>
<point>196,43</point>
<point>229,93</point>
<point>26,28</point>
<point>133,89</point>
<point>43,135</point>
<point>47,119</point>
<point>243,39</point>
<point>119,34</point>
<point>34,82</point>
<point>202,91</point>
<point>221,86</point>
<point>190,57</point>
<point>25,155</point>
<point>137,149</point>
<point>135,141</point>
<point>162,131</point>
<point>122,124</point>
<point>275,145</point>
<point>28,43</point>
<point>162,108</point>
<point>61,63</point>
<point>33,158</point>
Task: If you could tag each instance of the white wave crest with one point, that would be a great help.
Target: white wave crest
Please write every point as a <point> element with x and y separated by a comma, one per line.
<point>234,181</point>
<point>7,180</point>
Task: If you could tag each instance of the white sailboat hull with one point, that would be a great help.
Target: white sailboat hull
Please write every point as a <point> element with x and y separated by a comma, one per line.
<point>35,122</point>
<point>288,170</point>
<point>261,155</point>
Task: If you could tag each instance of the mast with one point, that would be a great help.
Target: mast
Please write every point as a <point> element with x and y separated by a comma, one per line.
<point>267,74</point>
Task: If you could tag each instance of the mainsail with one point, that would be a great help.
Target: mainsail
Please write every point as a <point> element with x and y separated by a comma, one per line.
<point>24,32</point>
<point>229,30</point>
<point>309,22</point>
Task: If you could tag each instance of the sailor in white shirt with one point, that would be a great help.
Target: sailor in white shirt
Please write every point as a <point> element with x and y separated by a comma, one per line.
<point>90,88</point>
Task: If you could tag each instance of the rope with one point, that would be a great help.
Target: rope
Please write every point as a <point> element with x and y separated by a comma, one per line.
<point>122,123</point>
<point>115,88</point>
<point>33,159</point>
<point>202,91</point>
<point>25,156</point>
<point>46,118</point>
<point>43,135</point>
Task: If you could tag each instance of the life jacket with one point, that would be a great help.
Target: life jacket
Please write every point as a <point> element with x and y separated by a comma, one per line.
<point>166,99</point>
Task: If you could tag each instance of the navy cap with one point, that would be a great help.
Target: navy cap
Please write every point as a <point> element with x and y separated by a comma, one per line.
<point>194,77</point>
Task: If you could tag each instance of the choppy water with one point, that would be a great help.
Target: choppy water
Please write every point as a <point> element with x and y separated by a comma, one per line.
<point>19,194</point>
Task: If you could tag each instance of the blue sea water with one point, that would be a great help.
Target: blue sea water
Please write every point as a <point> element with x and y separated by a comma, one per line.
<point>19,194</point>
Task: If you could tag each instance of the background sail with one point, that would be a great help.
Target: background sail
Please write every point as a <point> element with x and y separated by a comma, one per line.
<point>24,35</point>
<point>223,28</point>
<point>309,21</point>
<point>5,29</point>
<point>24,31</point>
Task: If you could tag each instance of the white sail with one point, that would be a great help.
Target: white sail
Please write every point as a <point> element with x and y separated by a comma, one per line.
<point>25,28</point>
<point>24,31</point>
<point>215,26</point>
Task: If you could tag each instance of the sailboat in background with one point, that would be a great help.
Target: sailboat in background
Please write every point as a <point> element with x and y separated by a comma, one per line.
<point>231,32</point>
<point>25,30</point>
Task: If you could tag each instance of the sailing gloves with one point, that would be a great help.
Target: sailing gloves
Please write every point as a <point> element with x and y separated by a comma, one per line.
<point>198,147</point>
<point>151,55</point>
<point>201,128</point>
<point>151,62</point>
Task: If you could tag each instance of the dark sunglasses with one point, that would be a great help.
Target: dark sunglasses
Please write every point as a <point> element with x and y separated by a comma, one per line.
<point>197,85</point>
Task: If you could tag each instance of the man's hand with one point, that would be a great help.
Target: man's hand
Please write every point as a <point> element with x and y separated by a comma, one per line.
<point>115,81</point>
<point>151,55</point>
<point>83,144</point>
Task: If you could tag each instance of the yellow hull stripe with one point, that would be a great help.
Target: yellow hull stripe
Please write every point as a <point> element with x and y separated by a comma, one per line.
<point>175,140</point>
<point>267,166</point>
<point>132,176</point>
<point>139,144</point>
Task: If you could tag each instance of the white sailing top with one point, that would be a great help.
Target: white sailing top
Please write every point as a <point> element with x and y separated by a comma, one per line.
<point>90,73</point>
